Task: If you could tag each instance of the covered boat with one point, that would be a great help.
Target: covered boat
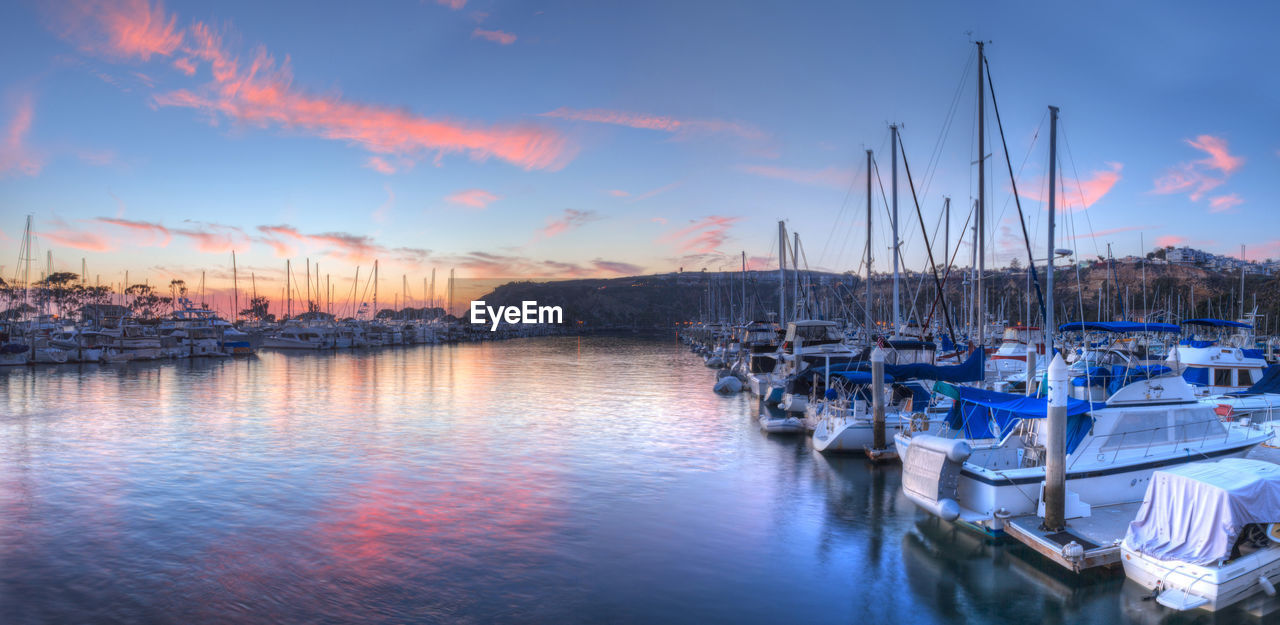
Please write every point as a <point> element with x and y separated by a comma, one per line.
<point>1206,535</point>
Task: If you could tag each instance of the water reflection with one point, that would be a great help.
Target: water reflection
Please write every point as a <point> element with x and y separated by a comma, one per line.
<point>527,481</point>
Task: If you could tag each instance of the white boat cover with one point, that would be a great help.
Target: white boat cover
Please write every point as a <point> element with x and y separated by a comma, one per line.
<point>1194,512</point>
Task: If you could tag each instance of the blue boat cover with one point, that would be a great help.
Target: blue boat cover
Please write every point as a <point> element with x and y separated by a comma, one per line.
<point>1253,353</point>
<point>1270,383</point>
<point>1094,376</point>
<point>947,344</point>
<point>1195,343</point>
<point>1122,376</point>
<point>1216,323</point>
<point>1117,326</point>
<point>976,409</point>
<point>1196,376</point>
<point>971,370</point>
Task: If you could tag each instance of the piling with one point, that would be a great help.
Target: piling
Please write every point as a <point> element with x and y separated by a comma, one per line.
<point>1055,474</point>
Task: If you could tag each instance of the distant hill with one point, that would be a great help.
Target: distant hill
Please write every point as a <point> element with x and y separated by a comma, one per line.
<point>664,300</point>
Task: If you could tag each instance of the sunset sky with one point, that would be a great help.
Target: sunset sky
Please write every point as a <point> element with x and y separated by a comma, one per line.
<point>553,140</point>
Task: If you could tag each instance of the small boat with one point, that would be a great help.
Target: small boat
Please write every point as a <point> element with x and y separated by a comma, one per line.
<point>1207,535</point>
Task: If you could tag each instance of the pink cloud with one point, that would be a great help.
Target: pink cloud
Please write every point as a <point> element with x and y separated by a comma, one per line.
<point>1170,240</point>
<point>1197,178</point>
<point>496,36</point>
<point>456,5</point>
<point>1222,203</point>
<point>1076,194</point>
<point>184,65</point>
<point>261,93</point>
<point>87,241</point>
<point>827,177</point>
<point>656,122</point>
<point>378,164</point>
<point>567,221</point>
<point>14,155</point>
<point>126,29</point>
<point>150,234</point>
<point>1219,158</point>
<point>216,238</point>
<point>475,198</point>
<point>702,236</point>
<point>340,245</point>
<point>618,193</point>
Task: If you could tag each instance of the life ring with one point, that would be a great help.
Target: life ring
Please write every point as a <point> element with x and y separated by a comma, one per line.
<point>919,422</point>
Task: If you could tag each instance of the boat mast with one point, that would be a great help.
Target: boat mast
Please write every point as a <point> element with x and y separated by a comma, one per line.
<point>1053,165</point>
<point>782,274</point>
<point>795,275</point>
<point>893,185</point>
<point>867,308</point>
<point>288,291</point>
<point>235,289</point>
<point>982,202</point>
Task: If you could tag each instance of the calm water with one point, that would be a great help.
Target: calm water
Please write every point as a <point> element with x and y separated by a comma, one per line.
<point>531,481</point>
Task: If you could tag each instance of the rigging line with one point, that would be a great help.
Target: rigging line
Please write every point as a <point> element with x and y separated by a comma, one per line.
<point>1083,207</point>
<point>928,249</point>
<point>935,158</point>
<point>1031,259</point>
<point>883,198</point>
<point>843,205</point>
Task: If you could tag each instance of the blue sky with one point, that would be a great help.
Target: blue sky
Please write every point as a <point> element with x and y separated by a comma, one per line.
<point>570,139</point>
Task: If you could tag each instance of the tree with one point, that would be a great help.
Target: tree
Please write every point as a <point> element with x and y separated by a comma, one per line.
<point>145,304</point>
<point>257,309</point>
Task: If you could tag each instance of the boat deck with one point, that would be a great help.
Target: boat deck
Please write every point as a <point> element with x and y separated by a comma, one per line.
<point>1100,535</point>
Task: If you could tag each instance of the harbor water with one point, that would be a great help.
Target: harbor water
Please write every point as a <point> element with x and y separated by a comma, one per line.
<point>546,480</point>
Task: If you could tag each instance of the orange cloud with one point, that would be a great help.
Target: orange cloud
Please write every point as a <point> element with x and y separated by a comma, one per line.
<point>127,29</point>
<point>1224,203</point>
<point>655,122</point>
<point>475,198</point>
<point>567,221</point>
<point>827,177</point>
<point>702,236</point>
<point>496,36</point>
<point>14,155</point>
<point>1199,177</point>
<point>379,165</point>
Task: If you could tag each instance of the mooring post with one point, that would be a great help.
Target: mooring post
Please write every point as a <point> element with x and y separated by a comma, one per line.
<point>877,399</point>
<point>1055,473</point>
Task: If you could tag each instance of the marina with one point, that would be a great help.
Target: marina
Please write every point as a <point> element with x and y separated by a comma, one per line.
<point>464,312</point>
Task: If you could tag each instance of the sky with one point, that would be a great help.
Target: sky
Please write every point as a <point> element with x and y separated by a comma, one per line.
<point>568,139</point>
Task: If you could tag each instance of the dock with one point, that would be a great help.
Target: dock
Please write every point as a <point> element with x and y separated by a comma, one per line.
<point>1099,534</point>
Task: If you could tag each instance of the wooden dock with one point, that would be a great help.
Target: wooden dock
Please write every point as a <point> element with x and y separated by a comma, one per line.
<point>1098,535</point>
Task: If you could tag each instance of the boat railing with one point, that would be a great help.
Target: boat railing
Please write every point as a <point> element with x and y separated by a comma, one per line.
<point>1175,438</point>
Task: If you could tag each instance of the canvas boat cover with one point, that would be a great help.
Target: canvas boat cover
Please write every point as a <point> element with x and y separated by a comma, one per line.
<point>1117,326</point>
<point>1195,512</point>
<point>1216,323</point>
<point>976,411</point>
